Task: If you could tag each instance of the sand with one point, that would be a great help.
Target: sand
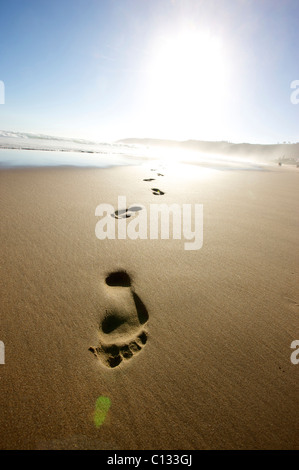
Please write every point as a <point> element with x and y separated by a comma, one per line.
<point>209,330</point>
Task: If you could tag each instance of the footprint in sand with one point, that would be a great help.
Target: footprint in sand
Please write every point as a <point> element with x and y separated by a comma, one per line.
<point>157,192</point>
<point>159,174</point>
<point>122,330</point>
<point>125,213</point>
<point>149,179</point>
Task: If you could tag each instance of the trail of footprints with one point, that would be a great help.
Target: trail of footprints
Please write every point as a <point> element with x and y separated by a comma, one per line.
<point>122,331</point>
<point>126,213</point>
<point>155,191</point>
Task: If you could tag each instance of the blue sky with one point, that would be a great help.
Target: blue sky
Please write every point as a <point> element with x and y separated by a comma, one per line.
<point>177,69</point>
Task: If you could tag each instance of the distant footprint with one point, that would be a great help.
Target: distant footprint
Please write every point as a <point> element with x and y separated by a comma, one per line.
<point>121,214</point>
<point>159,174</point>
<point>157,192</point>
<point>125,213</point>
<point>122,330</point>
<point>149,179</point>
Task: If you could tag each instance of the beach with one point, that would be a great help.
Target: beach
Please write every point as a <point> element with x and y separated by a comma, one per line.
<point>190,348</point>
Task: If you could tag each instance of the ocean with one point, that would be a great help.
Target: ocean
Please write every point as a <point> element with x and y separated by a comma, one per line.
<point>28,150</point>
<point>34,150</point>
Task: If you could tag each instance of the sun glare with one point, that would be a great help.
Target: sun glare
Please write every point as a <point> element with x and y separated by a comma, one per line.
<point>187,81</point>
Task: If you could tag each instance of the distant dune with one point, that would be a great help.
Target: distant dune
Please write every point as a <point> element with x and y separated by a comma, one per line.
<point>287,152</point>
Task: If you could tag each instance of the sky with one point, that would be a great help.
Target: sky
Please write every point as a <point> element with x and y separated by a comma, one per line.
<point>175,69</point>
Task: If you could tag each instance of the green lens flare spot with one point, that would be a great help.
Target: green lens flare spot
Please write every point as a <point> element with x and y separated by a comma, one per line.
<point>101,409</point>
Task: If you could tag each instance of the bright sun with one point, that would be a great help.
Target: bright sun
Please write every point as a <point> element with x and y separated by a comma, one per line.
<point>187,82</point>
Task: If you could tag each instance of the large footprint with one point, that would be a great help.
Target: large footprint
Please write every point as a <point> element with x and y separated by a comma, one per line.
<point>122,329</point>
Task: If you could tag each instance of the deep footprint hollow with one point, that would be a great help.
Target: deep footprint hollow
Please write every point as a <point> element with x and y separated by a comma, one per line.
<point>118,279</point>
